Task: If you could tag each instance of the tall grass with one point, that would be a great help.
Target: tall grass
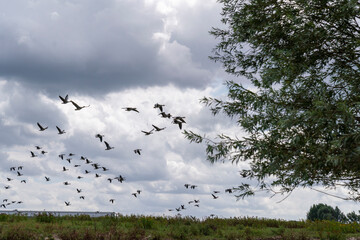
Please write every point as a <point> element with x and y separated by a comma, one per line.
<point>47,226</point>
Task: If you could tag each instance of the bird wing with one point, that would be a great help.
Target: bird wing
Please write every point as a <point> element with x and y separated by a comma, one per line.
<point>107,144</point>
<point>74,103</point>
<point>41,127</point>
<point>62,99</point>
<point>58,129</point>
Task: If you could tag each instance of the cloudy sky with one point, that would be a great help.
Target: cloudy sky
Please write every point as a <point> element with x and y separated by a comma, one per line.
<point>110,55</point>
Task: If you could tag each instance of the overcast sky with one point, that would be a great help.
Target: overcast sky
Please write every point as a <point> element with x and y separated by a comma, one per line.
<point>111,55</point>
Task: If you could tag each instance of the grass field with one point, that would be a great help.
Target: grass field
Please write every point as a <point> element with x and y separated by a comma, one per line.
<point>46,226</point>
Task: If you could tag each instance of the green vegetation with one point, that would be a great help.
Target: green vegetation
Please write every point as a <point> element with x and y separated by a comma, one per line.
<point>295,93</point>
<point>133,227</point>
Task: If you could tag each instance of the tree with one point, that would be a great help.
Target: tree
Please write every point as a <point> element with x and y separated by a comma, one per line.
<point>325,212</point>
<point>296,93</point>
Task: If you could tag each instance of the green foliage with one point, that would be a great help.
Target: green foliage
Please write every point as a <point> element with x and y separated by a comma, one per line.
<point>298,94</point>
<point>45,218</point>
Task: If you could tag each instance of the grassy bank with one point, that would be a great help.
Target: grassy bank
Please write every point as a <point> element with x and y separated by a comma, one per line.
<point>146,227</point>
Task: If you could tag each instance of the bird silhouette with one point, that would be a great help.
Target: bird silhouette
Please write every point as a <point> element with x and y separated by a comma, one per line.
<point>120,178</point>
<point>99,136</point>
<point>159,106</point>
<point>67,203</point>
<point>20,167</point>
<point>128,109</point>
<point>77,107</point>
<point>229,190</point>
<point>9,179</point>
<point>215,197</point>
<point>112,200</point>
<point>108,147</point>
<point>64,100</point>
<point>86,171</point>
<point>43,152</point>
<point>82,197</point>
<point>137,151</point>
<point>12,168</point>
<point>60,131</point>
<point>19,174</point>
<point>187,185</point>
<point>67,183</point>
<point>193,186</point>
<point>65,169</point>
<point>134,194</point>
<point>158,129</point>
<point>62,156</point>
<point>97,175</point>
<point>38,147</point>
<point>148,133</point>
<point>138,191</point>
<point>33,154</point>
<point>110,180</point>
<point>179,121</point>
<point>47,178</point>
<point>105,169</point>
<point>79,177</point>
<point>78,190</point>
<point>164,115</point>
<point>23,181</point>
<point>41,127</point>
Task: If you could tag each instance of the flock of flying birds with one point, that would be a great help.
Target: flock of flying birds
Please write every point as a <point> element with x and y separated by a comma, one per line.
<point>97,169</point>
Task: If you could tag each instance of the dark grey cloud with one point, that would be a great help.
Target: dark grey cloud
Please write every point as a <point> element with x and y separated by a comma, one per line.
<point>92,47</point>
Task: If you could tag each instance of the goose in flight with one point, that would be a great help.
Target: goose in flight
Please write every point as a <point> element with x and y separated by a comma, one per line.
<point>78,190</point>
<point>179,121</point>
<point>67,183</point>
<point>97,175</point>
<point>120,178</point>
<point>229,190</point>
<point>38,147</point>
<point>128,109</point>
<point>9,179</point>
<point>112,200</point>
<point>12,168</point>
<point>41,127</point>
<point>148,133</point>
<point>193,186</point>
<point>65,169</point>
<point>110,180</point>
<point>214,197</point>
<point>65,100</point>
<point>71,154</point>
<point>20,167</point>
<point>159,106</point>
<point>138,191</point>
<point>158,129</point>
<point>187,185</point>
<point>134,194</point>
<point>47,178</point>
<point>67,203</point>
<point>33,154</point>
<point>86,171</point>
<point>137,151</point>
<point>82,197</point>
<point>77,107</point>
<point>108,146</point>
<point>60,131</point>
<point>23,181</point>
<point>164,115</point>
<point>43,152</point>
<point>105,169</point>
<point>79,177</point>
<point>19,174</point>
<point>62,156</point>
<point>99,136</point>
